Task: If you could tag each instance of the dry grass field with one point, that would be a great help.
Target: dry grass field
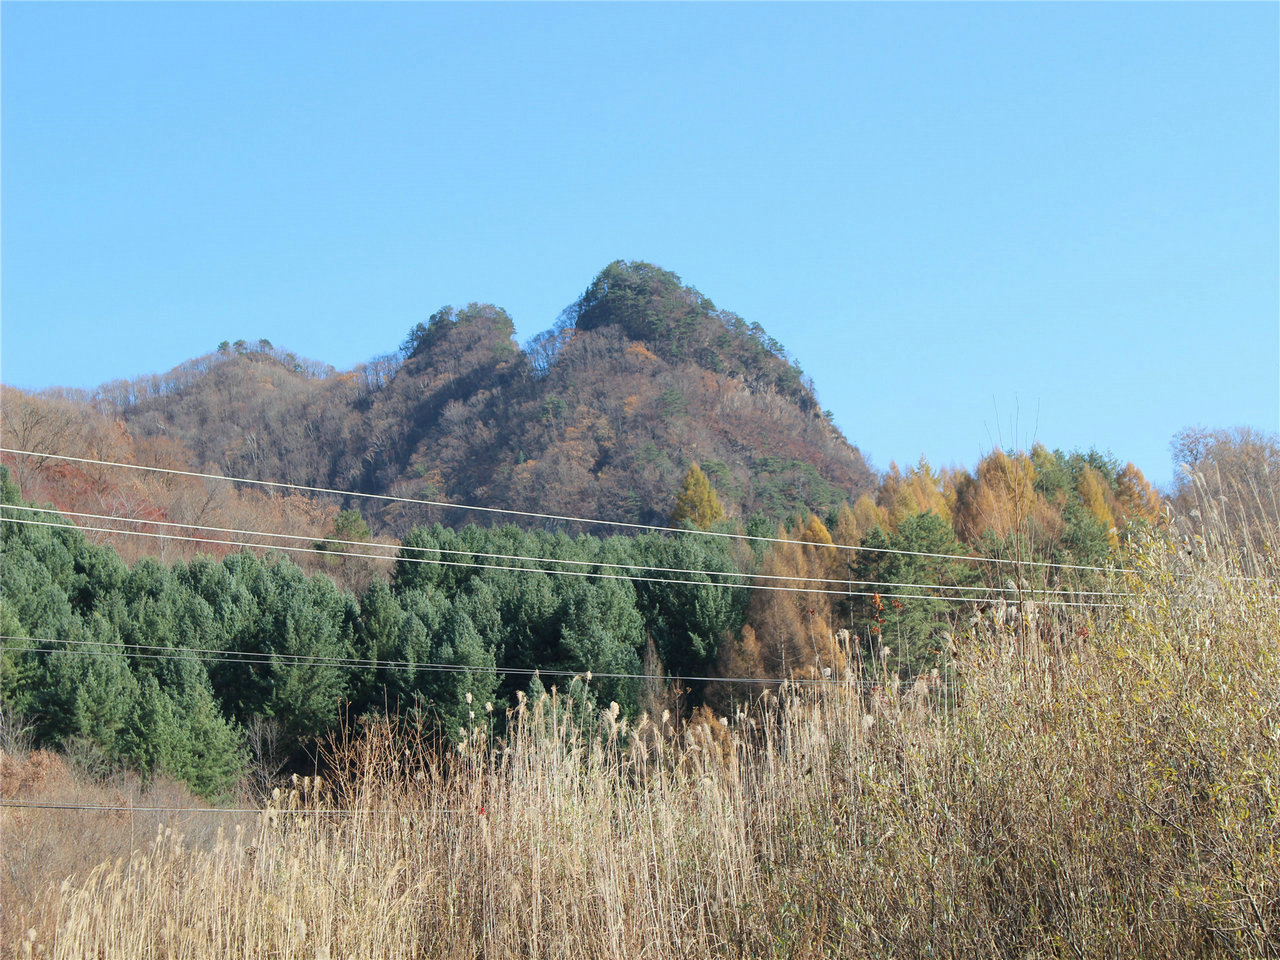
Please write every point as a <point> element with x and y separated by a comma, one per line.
<point>1084,786</point>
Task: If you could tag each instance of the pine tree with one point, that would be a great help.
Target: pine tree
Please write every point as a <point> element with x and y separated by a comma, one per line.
<point>910,629</point>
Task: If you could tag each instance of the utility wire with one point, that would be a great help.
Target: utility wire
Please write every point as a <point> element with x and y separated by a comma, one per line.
<point>643,568</point>
<point>103,648</point>
<point>109,808</point>
<point>549,572</point>
<point>532,515</point>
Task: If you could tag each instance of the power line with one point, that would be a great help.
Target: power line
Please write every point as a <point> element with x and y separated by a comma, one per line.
<point>532,515</point>
<point>561,573</point>
<point>122,808</point>
<point>549,572</point>
<point>103,648</point>
<point>848,582</point>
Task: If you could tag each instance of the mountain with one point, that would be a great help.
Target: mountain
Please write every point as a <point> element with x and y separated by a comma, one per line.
<point>600,416</point>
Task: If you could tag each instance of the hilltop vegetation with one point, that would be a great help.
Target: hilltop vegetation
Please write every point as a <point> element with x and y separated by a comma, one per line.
<point>600,416</point>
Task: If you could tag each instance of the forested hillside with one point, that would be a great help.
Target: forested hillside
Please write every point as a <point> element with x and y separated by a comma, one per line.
<point>599,416</point>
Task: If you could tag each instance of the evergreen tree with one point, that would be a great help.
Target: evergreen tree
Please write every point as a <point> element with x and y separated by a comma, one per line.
<point>181,732</point>
<point>689,621</point>
<point>458,696</point>
<point>908,631</point>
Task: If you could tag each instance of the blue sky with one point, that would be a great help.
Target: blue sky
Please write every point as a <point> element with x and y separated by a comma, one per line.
<point>969,223</point>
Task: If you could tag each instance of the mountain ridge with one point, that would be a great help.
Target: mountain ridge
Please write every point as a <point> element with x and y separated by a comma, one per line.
<point>599,416</point>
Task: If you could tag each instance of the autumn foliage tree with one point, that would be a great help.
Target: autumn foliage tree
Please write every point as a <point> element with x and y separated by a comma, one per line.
<point>697,503</point>
<point>999,498</point>
<point>790,625</point>
<point>1050,506</point>
<point>918,490</point>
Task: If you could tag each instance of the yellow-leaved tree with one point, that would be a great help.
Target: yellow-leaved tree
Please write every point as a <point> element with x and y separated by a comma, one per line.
<point>918,490</point>
<point>790,632</point>
<point>697,502</point>
<point>1095,494</point>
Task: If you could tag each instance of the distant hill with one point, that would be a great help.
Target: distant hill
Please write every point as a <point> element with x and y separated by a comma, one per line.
<point>599,416</point>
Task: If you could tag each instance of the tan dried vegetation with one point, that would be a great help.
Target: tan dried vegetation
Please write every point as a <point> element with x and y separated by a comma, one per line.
<point>1088,787</point>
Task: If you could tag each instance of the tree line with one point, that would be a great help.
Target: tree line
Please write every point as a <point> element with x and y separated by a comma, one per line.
<point>205,666</point>
<point>192,667</point>
<point>209,667</point>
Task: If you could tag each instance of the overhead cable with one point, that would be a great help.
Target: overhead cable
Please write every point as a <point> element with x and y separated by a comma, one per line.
<point>552,572</point>
<point>644,568</point>
<point>533,515</point>
<point>141,651</point>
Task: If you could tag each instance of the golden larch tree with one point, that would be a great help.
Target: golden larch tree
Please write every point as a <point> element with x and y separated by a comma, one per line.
<point>697,502</point>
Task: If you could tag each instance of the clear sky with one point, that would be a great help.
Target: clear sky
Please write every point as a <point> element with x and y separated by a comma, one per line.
<point>969,223</point>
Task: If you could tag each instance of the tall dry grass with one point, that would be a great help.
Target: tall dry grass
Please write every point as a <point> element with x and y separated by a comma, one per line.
<point>41,847</point>
<point>1089,788</point>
